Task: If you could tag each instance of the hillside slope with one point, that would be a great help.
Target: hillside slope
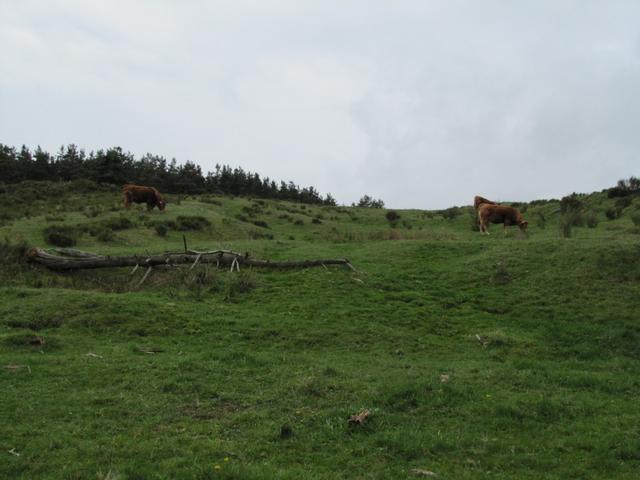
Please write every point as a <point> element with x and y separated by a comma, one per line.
<point>479,357</point>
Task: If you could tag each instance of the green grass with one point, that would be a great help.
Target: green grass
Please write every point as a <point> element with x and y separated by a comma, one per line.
<point>196,373</point>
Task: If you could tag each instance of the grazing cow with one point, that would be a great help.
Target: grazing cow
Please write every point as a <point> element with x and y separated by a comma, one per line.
<point>478,200</point>
<point>140,194</point>
<point>488,213</point>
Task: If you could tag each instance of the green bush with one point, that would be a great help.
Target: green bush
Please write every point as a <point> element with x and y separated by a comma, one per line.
<point>565,224</point>
<point>261,223</point>
<point>635,218</point>
<point>61,235</point>
<point>119,223</point>
<point>450,213</point>
<point>161,229</point>
<point>623,202</point>
<point>613,213</point>
<point>105,235</point>
<point>592,219</point>
<point>195,222</point>
<point>392,216</point>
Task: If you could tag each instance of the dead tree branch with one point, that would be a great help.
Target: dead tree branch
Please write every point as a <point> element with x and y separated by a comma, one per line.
<point>63,260</point>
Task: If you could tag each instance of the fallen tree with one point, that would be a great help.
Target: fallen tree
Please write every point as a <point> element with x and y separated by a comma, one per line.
<point>70,259</point>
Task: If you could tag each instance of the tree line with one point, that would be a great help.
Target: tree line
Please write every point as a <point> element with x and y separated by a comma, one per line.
<point>114,166</point>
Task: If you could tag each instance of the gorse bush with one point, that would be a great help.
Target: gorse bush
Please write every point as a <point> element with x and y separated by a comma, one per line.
<point>161,229</point>
<point>119,223</point>
<point>195,222</point>
<point>612,213</point>
<point>624,188</point>
<point>450,213</point>
<point>105,235</point>
<point>261,223</point>
<point>623,202</point>
<point>565,224</point>
<point>61,235</point>
<point>541,220</point>
<point>474,221</point>
<point>591,219</point>
<point>392,216</point>
<point>571,203</point>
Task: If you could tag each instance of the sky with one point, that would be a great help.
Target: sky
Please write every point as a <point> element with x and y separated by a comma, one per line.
<point>423,104</point>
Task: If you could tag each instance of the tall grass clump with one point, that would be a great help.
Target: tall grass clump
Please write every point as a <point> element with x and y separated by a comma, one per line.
<point>239,284</point>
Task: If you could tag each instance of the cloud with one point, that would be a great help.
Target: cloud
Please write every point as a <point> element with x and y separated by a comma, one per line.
<point>423,104</point>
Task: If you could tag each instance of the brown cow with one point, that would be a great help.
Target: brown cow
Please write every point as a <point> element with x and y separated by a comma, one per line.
<point>478,200</point>
<point>488,213</point>
<point>140,194</point>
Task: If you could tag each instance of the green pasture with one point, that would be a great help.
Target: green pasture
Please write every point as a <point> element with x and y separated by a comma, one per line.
<point>501,356</point>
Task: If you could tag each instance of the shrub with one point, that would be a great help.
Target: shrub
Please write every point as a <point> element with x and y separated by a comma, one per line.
<point>105,235</point>
<point>635,218</point>
<point>195,222</point>
<point>91,211</point>
<point>161,229</point>
<point>258,234</point>
<point>474,221</point>
<point>450,213</point>
<point>61,235</point>
<point>624,188</point>
<point>566,223</point>
<point>368,202</point>
<point>623,202</point>
<point>119,223</point>
<point>392,216</point>
<point>261,223</point>
<point>299,222</point>
<point>592,219</point>
<point>612,213</point>
<point>541,220</point>
<point>570,203</point>
<point>316,220</point>
<point>211,200</point>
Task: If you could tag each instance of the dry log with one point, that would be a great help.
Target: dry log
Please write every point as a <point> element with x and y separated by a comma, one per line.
<point>84,260</point>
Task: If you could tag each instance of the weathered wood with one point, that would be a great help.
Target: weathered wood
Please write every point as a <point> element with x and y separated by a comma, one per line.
<point>219,257</point>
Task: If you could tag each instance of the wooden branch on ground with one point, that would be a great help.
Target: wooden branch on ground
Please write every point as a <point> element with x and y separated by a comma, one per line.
<point>63,260</point>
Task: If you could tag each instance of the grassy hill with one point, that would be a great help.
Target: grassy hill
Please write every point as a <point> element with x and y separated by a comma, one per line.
<point>479,357</point>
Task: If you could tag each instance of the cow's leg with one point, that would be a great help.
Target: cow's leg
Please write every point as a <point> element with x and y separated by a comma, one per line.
<point>481,224</point>
<point>127,201</point>
<point>149,206</point>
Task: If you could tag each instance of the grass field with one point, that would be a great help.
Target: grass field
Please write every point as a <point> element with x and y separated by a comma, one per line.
<point>479,357</point>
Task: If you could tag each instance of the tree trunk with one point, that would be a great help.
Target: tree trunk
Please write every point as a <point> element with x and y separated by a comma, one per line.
<point>75,259</point>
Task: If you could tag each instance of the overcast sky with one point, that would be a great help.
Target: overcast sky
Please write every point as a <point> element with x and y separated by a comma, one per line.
<point>421,103</point>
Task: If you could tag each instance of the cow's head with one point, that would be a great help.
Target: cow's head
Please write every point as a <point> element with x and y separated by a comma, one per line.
<point>160,201</point>
<point>523,225</point>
